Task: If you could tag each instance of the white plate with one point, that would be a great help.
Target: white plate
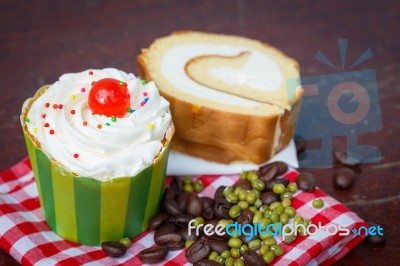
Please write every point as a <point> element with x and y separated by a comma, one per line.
<point>181,164</point>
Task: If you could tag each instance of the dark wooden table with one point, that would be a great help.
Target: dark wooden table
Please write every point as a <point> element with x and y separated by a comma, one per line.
<point>40,40</point>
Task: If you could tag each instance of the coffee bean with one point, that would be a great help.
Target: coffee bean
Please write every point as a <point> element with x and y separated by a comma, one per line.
<point>281,168</point>
<point>219,196</point>
<point>169,194</point>
<point>344,178</point>
<point>208,213</point>
<point>245,184</point>
<point>306,181</point>
<point>207,202</point>
<point>184,233</point>
<point>376,240</point>
<point>269,184</point>
<point>182,220</point>
<point>245,217</point>
<point>158,220</point>
<point>208,207</point>
<point>218,245</point>
<point>172,207</point>
<point>269,174</point>
<point>175,245</point>
<point>168,239</point>
<point>165,229</point>
<point>206,263</point>
<point>252,258</point>
<point>194,205</point>
<point>346,159</point>
<point>176,185</point>
<point>213,235</point>
<point>213,222</point>
<point>153,255</point>
<point>221,210</point>
<point>182,199</point>
<point>269,197</point>
<point>198,251</point>
<point>113,249</point>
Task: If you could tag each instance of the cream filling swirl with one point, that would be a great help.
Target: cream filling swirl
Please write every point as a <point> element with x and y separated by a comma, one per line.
<point>98,146</point>
<point>260,72</point>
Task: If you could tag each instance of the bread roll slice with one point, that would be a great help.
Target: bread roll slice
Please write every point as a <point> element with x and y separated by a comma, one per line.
<point>227,94</point>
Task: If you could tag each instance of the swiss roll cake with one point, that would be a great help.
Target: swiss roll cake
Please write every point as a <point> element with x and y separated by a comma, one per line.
<point>228,94</point>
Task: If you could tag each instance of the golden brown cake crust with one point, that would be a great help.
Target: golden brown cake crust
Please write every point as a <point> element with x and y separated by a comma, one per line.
<point>223,136</point>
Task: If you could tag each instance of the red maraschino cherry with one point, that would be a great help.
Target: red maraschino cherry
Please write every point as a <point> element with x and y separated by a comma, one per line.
<point>109,97</point>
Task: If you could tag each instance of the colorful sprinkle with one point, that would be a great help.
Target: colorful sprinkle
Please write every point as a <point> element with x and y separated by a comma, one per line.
<point>76,155</point>
<point>43,116</point>
<point>130,110</point>
<point>83,90</point>
<point>107,124</point>
<point>47,105</point>
<point>72,97</point>
<point>121,83</point>
<point>27,120</point>
<point>51,131</point>
<point>99,126</point>
<point>84,123</point>
<point>150,126</point>
<point>144,93</point>
<point>114,119</point>
<point>46,124</point>
<point>142,103</point>
<point>143,81</point>
<point>72,112</point>
<point>90,72</point>
<point>60,106</point>
<point>55,106</point>
<point>35,130</point>
<point>146,100</point>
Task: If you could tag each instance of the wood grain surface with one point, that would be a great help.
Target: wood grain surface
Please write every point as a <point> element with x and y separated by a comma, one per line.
<point>40,40</point>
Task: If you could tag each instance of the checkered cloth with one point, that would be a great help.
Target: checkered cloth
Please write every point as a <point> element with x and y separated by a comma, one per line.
<point>25,235</point>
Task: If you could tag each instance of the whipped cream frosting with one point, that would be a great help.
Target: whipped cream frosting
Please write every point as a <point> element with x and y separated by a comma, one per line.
<point>95,145</point>
<point>260,72</point>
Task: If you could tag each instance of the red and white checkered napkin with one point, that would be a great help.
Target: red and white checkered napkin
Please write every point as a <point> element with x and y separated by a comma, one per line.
<point>25,235</point>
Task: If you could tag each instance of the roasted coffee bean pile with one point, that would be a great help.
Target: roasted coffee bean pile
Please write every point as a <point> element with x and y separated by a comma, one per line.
<point>258,197</point>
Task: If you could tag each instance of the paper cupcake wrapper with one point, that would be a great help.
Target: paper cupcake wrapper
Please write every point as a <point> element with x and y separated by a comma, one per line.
<point>89,211</point>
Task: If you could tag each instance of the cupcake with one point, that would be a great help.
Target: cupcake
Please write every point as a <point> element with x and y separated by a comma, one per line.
<point>98,142</point>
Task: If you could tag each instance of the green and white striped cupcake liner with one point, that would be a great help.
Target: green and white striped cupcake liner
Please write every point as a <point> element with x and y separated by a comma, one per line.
<point>89,211</point>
